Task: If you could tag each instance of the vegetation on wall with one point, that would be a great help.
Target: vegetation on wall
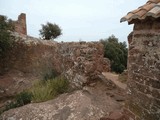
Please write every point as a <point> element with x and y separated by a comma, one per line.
<point>5,35</point>
<point>50,31</point>
<point>117,53</point>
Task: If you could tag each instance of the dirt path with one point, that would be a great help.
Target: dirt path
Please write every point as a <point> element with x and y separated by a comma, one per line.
<point>114,78</point>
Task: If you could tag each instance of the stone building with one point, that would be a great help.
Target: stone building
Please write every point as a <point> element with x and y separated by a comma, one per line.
<point>143,100</point>
<point>20,24</point>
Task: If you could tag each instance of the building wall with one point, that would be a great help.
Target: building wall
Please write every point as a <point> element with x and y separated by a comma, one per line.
<point>143,101</point>
<point>30,59</point>
<point>20,24</point>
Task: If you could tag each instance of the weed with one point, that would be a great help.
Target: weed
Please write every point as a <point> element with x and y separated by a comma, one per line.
<point>49,89</point>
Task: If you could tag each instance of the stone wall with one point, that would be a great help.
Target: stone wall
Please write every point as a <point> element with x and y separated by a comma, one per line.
<point>20,24</point>
<point>143,102</point>
<point>32,59</point>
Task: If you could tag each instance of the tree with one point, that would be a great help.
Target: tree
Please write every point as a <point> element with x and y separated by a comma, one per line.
<point>117,53</point>
<point>5,35</point>
<point>50,31</point>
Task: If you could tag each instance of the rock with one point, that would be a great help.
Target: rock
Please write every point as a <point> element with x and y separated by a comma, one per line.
<point>110,94</point>
<point>119,98</point>
<point>115,115</point>
<point>78,105</point>
<point>117,95</point>
<point>111,85</point>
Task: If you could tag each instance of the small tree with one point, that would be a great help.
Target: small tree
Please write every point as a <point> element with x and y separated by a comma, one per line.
<point>50,31</point>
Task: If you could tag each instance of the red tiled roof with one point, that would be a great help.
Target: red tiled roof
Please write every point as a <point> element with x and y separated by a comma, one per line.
<point>151,8</point>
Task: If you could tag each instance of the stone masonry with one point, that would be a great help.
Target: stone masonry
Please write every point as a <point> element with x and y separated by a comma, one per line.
<point>143,102</point>
<point>20,24</point>
<point>32,59</point>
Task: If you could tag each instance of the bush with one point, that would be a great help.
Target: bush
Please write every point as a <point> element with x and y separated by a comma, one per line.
<point>5,36</point>
<point>9,106</point>
<point>46,90</point>
<point>21,99</point>
<point>116,52</point>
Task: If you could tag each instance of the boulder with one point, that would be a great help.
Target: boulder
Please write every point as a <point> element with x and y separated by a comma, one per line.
<point>87,104</point>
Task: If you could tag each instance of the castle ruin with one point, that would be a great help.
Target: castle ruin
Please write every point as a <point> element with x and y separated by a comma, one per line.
<point>20,24</point>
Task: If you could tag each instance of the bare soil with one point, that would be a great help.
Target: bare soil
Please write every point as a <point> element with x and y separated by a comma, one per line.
<point>114,77</point>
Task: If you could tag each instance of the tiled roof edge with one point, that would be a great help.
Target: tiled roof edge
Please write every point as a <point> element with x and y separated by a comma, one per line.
<point>150,9</point>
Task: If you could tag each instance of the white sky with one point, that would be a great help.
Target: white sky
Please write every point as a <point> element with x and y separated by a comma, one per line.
<point>86,20</point>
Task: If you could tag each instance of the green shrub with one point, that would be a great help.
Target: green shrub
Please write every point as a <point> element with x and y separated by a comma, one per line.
<point>5,36</point>
<point>23,98</point>
<point>10,106</point>
<point>116,52</point>
<point>49,89</point>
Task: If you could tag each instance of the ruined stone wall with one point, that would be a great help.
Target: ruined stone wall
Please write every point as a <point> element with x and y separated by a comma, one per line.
<point>32,59</point>
<point>20,24</point>
<point>143,102</point>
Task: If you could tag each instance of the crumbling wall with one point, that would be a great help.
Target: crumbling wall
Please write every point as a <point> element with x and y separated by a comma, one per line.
<point>31,59</point>
<point>143,101</point>
<point>20,24</point>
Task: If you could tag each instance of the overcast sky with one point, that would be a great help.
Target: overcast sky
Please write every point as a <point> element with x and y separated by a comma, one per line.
<point>86,20</point>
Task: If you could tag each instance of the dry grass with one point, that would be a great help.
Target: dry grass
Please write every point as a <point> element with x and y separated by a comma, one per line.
<point>49,89</point>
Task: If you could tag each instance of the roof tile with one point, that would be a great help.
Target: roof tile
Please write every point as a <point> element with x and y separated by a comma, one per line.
<point>148,6</point>
<point>155,10</point>
<point>154,1</point>
<point>151,8</point>
<point>135,11</point>
<point>141,13</point>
